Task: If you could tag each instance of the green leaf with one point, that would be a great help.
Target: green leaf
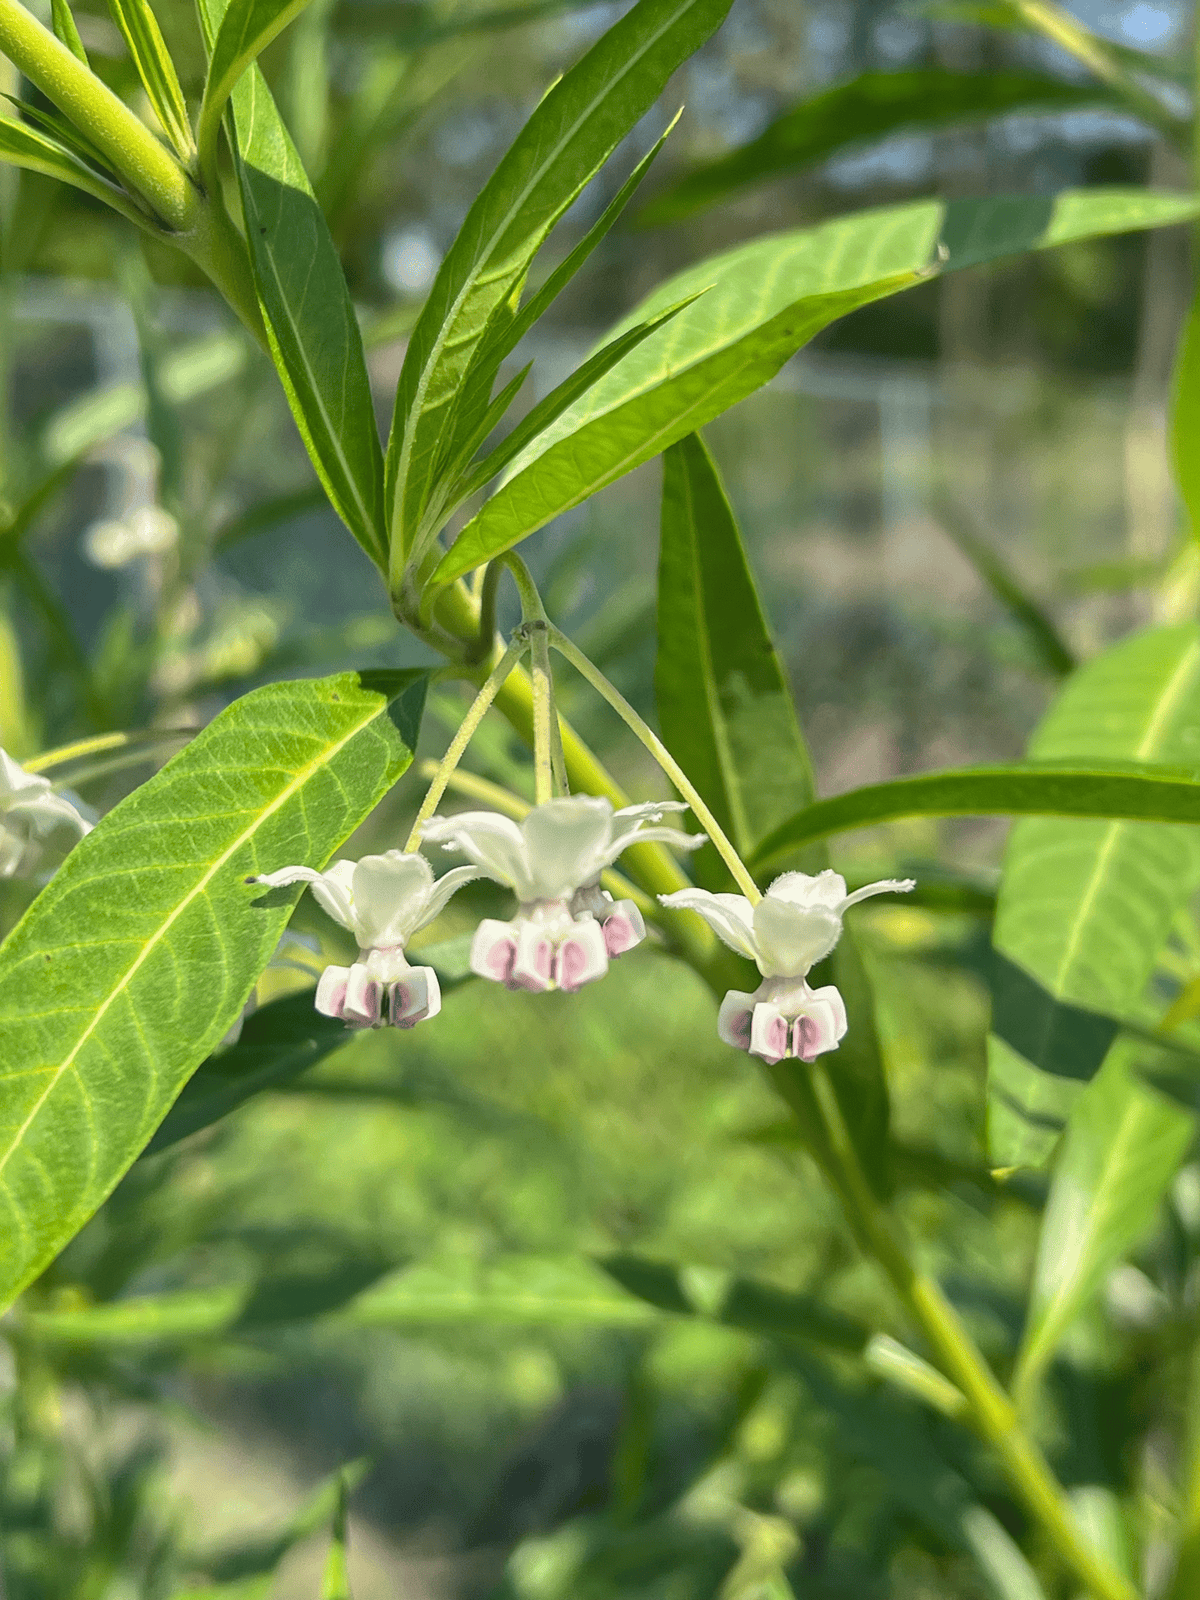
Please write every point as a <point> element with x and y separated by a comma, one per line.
<point>1033,788</point>
<point>27,147</point>
<point>148,49</point>
<point>277,1043</point>
<point>564,144</point>
<point>65,29</point>
<point>1185,417</point>
<point>727,717</point>
<point>869,108</point>
<point>765,300</point>
<point>1085,907</point>
<point>311,326</point>
<point>335,1584</point>
<point>246,30</point>
<point>129,968</point>
<point>1122,1147</point>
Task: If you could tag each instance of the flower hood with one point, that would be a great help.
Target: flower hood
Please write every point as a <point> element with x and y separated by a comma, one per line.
<point>29,812</point>
<point>383,900</point>
<point>559,847</point>
<point>795,924</point>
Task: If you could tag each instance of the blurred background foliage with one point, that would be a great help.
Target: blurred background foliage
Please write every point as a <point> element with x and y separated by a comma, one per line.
<point>499,1263</point>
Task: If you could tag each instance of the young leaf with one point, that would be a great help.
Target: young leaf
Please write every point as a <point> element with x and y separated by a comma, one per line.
<point>335,1585</point>
<point>1085,907</point>
<point>1123,1146</point>
<point>310,321</point>
<point>869,108</point>
<point>246,30</point>
<point>38,152</point>
<point>1131,791</point>
<point>765,300</point>
<point>132,964</point>
<point>727,717</point>
<point>565,142</point>
<point>65,29</point>
<point>140,30</point>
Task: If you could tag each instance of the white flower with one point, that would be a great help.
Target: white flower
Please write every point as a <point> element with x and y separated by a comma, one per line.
<point>382,900</point>
<point>30,812</point>
<point>795,924</point>
<point>566,928</point>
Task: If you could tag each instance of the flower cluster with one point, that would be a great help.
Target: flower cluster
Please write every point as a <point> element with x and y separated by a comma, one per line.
<point>567,928</point>
<point>795,924</point>
<point>30,813</point>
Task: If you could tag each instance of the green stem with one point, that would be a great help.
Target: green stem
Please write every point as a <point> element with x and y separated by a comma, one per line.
<point>146,741</point>
<point>492,685</point>
<point>664,758</point>
<point>543,711</point>
<point>809,1092</point>
<point>146,165</point>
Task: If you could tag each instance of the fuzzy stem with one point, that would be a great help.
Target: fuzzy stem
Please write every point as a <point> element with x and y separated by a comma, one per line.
<point>664,758</point>
<point>492,685</point>
<point>543,712</point>
<point>809,1092</point>
<point>146,165</point>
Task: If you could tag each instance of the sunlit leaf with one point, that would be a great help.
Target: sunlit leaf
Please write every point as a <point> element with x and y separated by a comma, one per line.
<point>871,107</point>
<point>246,30</point>
<point>65,29</point>
<point>27,147</point>
<point>1085,907</point>
<point>566,141</point>
<point>129,968</point>
<point>764,301</point>
<point>143,36</point>
<point>1122,1147</point>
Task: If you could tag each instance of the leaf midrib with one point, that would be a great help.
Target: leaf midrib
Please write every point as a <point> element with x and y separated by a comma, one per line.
<point>417,412</point>
<point>302,776</point>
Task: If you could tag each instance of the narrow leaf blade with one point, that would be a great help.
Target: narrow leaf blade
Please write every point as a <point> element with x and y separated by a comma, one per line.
<point>140,30</point>
<point>247,28</point>
<point>129,968</point>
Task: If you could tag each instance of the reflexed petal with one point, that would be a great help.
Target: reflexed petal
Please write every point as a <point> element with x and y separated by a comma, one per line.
<point>828,888</point>
<point>770,1033</point>
<point>493,950</point>
<point>884,886</point>
<point>730,916</point>
<point>331,890</point>
<point>389,894</point>
<point>364,995</point>
<point>674,837</point>
<point>791,937</point>
<point>15,780</point>
<point>415,998</point>
<point>629,819</point>
<point>533,963</point>
<point>623,928</point>
<point>331,991</point>
<point>566,844</point>
<point>494,843</point>
<point>734,1017</point>
<point>581,957</point>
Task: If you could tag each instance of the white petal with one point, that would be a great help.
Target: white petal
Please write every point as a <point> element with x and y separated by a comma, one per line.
<point>730,916</point>
<point>791,937</point>
<point>567,843</point>
<point>445,888</point>
<point>388,896</point>
<point>494,843</point>
<point>330,889</point>
<point>14,780</point>
<point>675,837</point>
<point>828,888</point>
<point>884,886</point>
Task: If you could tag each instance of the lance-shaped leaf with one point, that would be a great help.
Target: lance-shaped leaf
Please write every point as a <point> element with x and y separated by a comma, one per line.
<point>1123,1146</point>
<point>65,30</point>
<point>1128,790</point>
<point>727,716</point>
<point>868,108</point>
<point>148,49</point>
<point>246,30</point>
<point>1085,907</point>
<point>764,301</point>
<point>28,147</point>
<point>130,967</point>
<point>310,321</point>
<point>563,145</point>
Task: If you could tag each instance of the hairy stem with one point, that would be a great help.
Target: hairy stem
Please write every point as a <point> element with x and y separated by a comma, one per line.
<point>810,1094</point>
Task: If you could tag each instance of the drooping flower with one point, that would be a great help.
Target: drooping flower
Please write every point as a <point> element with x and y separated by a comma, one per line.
<point>30,812</point>
<point>382,900</point>
<point>795,924</point>
<point>566,928</point>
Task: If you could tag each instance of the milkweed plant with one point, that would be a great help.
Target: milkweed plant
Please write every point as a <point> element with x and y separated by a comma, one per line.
<point>126,982</point>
